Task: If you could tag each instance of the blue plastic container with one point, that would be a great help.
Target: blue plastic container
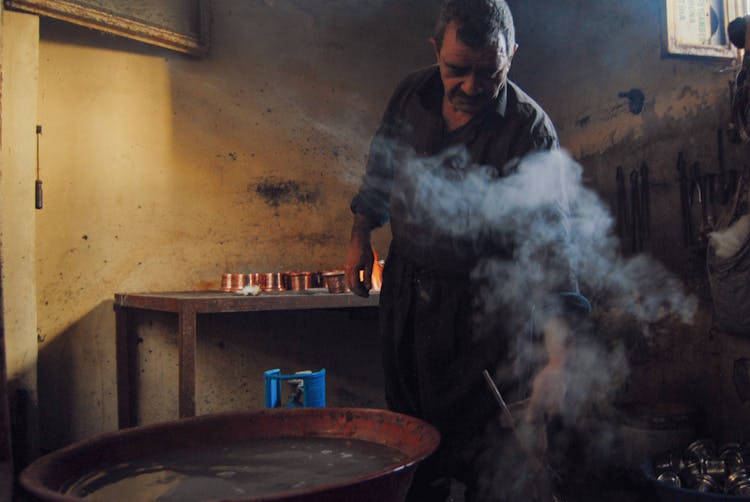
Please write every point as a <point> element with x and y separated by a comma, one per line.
<point>313,389</point>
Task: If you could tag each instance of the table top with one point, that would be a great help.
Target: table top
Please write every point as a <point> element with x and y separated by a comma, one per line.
<point>219,301</point>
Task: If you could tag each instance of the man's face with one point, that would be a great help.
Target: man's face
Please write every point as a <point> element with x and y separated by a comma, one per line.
<point>472,78</point>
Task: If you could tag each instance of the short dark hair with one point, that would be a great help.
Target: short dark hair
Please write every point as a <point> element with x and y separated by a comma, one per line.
<point>479,22</point>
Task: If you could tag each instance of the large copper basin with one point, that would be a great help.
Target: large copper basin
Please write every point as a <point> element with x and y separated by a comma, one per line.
<point>47,477</point>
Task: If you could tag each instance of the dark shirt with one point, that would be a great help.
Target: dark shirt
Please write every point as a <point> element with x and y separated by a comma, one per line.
<point>413,127</point>
<point>433,350</point>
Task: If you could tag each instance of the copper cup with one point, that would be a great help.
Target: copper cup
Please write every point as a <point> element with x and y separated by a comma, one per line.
<point>238,281</point>
<point>335,281</point>
<point>273,281</point>
<point>299,281</point>
<point>255,279</point>
<point>226,282</point>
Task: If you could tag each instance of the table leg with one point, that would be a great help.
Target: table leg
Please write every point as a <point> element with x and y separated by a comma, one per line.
<point>186,327</point>
<point>126,378</point>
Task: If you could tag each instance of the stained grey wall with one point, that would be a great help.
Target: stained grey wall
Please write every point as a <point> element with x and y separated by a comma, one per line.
<point>577,58</point>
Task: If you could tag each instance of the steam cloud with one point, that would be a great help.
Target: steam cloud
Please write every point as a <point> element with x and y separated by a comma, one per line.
<point>554,223</point>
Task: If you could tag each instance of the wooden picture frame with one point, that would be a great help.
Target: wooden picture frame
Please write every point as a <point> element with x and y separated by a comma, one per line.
<point>699,27</point>
<point>185,29</point>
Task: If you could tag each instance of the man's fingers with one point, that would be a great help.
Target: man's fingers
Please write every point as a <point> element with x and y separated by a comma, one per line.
<point>359,290</point>
<point>367,272</point>
<point>355,284</point>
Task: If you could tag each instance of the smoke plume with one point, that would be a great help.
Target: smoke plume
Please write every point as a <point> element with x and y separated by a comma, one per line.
<point>561,235</point>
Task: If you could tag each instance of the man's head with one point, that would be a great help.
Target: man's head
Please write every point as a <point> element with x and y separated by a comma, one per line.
<point>474,41</point>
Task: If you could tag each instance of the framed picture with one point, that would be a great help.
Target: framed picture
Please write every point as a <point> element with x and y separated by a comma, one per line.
<point>699,27</point>
<point>180,25</point>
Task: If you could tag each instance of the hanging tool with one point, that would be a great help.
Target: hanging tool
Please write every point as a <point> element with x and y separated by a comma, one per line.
<point>687,226</point>
<point>622,204</point>
<point>723,189</point>
<point>713,185</point>
<point>635,212</point>
<point>645,204</point>
<point>698,194</point>
<point>38,183</point>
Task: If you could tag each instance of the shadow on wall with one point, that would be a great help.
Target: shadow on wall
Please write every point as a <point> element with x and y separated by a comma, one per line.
<point>234,350</point>
<point>76,380</point>
<point>77,370</point>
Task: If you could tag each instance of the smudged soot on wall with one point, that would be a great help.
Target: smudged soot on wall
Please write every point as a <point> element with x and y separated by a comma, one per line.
<point>276,192</point>
<point>635,99</point>
<point>583,121</point>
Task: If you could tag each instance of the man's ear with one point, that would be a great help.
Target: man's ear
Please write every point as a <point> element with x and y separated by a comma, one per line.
<point>434,45</point>
<point>513,52</point>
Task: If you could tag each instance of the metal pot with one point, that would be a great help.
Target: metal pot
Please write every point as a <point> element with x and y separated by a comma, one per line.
<point>48,476</point>
<point>335,281</point>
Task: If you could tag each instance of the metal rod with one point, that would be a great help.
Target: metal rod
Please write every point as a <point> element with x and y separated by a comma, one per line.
<point>500,401</point>
<point>504,407</point>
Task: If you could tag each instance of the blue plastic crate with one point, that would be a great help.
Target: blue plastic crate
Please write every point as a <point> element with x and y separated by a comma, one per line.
<point>313,388</point>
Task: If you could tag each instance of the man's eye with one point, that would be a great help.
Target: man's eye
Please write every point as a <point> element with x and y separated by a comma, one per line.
<point>491,75</point>
<point>457,70</point>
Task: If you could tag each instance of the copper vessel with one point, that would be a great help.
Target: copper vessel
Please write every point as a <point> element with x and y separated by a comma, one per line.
<point>335,281</point>
<point>226,282</point>
<point>273,281</point>
<point>239,281</point>
<point>255,279</point>
<point>47,478</point>
<point>299,281</point>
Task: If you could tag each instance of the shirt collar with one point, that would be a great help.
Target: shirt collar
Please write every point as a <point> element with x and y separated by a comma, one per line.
<point>431,94</point>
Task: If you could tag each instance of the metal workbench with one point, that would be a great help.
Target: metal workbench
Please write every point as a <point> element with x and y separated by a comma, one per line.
<point>187,305</point>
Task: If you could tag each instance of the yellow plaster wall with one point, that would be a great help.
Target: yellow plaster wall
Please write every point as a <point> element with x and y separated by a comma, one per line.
<point>18,102</point>
<point>162,171</point>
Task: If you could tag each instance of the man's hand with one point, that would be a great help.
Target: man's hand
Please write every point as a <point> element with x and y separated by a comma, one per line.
<point>359,257</point>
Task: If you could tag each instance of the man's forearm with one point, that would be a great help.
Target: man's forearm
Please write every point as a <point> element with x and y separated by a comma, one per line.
<point>362,227</point>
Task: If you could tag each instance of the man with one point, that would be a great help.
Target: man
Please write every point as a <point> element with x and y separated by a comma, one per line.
<point>433,353</point>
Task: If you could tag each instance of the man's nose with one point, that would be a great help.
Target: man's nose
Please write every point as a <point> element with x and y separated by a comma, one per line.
<point>472,85</point>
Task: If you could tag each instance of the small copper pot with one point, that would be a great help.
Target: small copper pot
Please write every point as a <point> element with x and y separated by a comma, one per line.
<point>273,281</point>
<point>299,281</point>
<point>256,279</point>
<point>226,282</point>
<point>335,281</point>
<point>239,281</point>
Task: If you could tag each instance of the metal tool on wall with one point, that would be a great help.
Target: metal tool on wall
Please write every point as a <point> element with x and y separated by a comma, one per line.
<point>640,208</point>
<point>698,194</point>
<point>724,192</point>
<point>622,204</point>
<point>634,217</point>
<point>685,186</point>
<point>705,197</point>
<point>38,182</point>
<point>635,212</point>
<point>645,206</point>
